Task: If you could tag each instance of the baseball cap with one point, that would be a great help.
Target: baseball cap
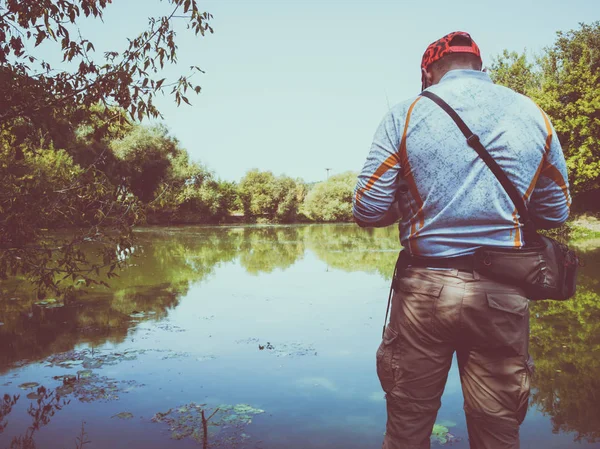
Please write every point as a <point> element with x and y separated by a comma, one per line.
<point>440,48</point>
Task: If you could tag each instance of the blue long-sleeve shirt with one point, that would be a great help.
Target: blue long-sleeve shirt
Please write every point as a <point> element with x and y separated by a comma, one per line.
<point>451,202</point>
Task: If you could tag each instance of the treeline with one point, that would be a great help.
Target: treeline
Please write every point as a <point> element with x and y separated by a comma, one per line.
<point>152,174</point>
<point>564,81</point>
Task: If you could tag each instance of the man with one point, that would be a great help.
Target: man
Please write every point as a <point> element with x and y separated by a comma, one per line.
<point>421,170</point>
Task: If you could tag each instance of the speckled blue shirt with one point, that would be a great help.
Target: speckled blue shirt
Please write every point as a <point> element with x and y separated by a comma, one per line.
<point>451,202</point>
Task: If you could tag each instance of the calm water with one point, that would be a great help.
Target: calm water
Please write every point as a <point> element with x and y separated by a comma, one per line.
<point>183,327</point>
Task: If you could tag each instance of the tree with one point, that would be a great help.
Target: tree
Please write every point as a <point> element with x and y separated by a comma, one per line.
<point>331,200</point>
<point>145,154</point>
<point>63,118</point>
<point>128,79</point>
<point>564,82</point>
<point>570,95</point>
<point>44,189</point>
<point>512,70</point>
<point>265,196</point>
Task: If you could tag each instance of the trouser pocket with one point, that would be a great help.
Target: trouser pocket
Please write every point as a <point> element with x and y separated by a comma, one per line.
<point>523,401</point>
<point>387,359</point>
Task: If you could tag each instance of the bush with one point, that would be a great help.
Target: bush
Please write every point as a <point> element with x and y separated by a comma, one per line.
<point>331,201</point>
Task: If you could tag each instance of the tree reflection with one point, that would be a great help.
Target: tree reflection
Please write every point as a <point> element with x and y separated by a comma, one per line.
<point>46,405</point>
<point>350,248</point>
<point>565,344</point>
<point>163,268</point>
<point>265,249</point>
<point>6,405</point>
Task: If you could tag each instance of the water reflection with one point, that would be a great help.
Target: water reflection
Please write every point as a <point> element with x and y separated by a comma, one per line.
<point>565,344</point>
<point>351,248</point>
<point>46,405</point>
<point>262,250</point>
<point>170,262</point>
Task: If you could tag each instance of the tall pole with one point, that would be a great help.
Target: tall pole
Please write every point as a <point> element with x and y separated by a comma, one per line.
<point>328,172</point>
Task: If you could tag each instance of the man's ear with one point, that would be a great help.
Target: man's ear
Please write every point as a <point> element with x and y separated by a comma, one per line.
<point>426,79</point>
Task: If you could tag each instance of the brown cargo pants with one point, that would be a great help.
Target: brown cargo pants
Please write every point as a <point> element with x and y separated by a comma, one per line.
<point>435,313</point>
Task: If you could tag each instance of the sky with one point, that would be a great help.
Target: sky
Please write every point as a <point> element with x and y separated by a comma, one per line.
<point>296,87</point>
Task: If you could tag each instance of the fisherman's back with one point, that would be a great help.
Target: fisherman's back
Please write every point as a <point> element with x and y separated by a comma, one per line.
<point>451,202</point>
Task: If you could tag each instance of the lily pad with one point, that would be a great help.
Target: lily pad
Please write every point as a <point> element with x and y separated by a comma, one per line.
<point>90,359</point>
<point>441,433</point>
<point>123,415</point>
<point>28,385</point>
<point>66,378</point>
<point>34,395</point>
<point>91,387</point>
<point>225,423</point>
<point>84,374</point>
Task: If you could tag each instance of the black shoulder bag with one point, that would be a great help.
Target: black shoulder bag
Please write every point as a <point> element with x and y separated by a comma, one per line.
<point>544,268</point>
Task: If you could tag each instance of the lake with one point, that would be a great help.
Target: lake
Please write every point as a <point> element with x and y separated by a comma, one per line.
<point>264,335</point>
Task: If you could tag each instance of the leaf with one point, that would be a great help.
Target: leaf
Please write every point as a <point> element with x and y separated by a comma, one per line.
<point>40,37</point>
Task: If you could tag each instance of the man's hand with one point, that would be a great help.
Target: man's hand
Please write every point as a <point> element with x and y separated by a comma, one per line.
<point>391,216</point>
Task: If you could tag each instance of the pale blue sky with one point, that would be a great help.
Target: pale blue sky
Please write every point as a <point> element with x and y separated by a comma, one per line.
<point>298,86</point>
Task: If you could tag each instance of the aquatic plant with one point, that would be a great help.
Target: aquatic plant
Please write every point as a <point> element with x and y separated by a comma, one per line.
<point>441,433</point>
<point>223,427</point>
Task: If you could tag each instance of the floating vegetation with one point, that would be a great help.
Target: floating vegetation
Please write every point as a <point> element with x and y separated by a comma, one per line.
<point>282,350</point>
<point>175,355</point>
<point>66,378</point>
<point>89,359</point>
<point>51,303</point>
<point>123,415</point>
<point>28,385</point>
<point>441,433</point>
<point>35,395</point>
<point>221,426</point>
<point>90,387</point>
<point>170,327</point>
<point>84,374</point>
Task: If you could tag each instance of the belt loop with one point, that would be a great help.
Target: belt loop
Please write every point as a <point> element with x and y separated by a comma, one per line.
<point>476,275</point>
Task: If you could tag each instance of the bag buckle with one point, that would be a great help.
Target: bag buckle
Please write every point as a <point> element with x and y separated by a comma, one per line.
<point>472,140</point>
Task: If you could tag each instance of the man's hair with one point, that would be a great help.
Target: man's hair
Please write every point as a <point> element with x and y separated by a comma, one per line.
<point>457,59</point>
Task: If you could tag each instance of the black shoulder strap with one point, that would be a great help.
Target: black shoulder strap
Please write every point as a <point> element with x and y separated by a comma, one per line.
<point>473,142</point>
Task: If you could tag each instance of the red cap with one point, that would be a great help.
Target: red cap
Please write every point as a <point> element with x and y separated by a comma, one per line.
<point>440,48</point>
